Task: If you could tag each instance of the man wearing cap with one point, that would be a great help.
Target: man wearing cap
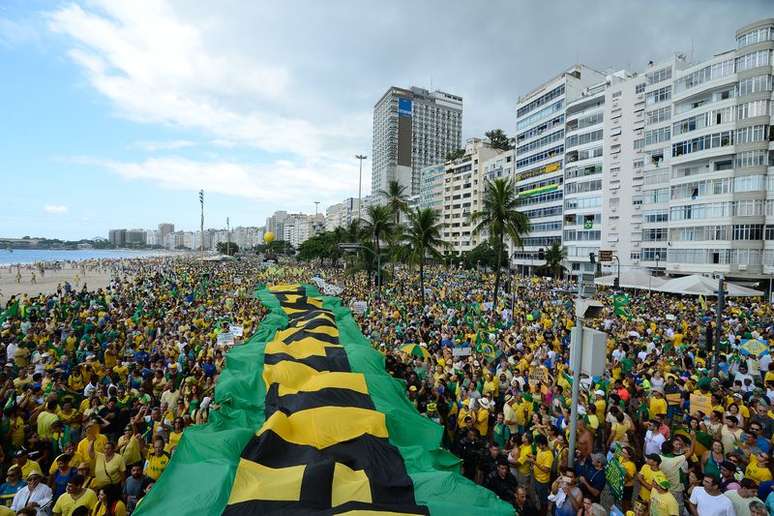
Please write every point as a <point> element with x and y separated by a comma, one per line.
<point>662,501</point>
<point>11,486</point>
<point>742,497</point>
<point>25,463</point>
<point>35,495</point>
<point>509,414</point>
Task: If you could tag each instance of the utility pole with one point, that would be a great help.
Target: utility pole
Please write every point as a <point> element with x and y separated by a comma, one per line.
<point>719,329</point>
<point>577,344</point>
<point>228,237</point>
<point>201,202</point>
<point>316,204</point>
<point>360,157</point>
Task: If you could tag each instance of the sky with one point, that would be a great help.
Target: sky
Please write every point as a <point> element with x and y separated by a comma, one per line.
<point>116,113</point>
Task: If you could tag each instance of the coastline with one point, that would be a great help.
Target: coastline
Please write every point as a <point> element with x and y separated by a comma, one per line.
<point>95,278</point>
<point>26,257</point>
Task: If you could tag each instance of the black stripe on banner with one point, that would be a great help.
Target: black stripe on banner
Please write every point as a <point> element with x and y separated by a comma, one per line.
<point>302,508</point>
<point>327,397</point>
<point>301,334</point>
<point>335,360</point>
<point>311,323</point>
<point>380,460</point>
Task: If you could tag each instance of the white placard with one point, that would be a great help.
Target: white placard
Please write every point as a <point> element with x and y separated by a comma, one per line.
<point>461,352</point>
<point>225,339</point>
<point>236,330</point>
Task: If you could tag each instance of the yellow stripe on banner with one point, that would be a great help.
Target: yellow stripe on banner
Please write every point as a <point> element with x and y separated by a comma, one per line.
<point>331,331</point>
<point>325,426</point>
<point>349,485</point>
<point>302,348</point>
<point>319,315</point>
<point>283,287</point>
<point>295,298</point>
<point>255,481</point>
<point>294,377</point>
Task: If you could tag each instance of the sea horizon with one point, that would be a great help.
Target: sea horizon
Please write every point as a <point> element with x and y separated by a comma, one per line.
<point>28,256</point>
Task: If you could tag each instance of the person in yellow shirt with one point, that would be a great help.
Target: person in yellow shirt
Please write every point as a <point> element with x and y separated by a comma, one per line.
<point>75,496</point>
<point>662,501</point>
<point>630,471</point>
<point>647,475</point>
<point>758,468</point>
<point>109,503</point>
<point>541,471</point>
<point>657,405</point>
<point>92,433</point>
<point>45,419</point>
<point>109,467</point>
<point>481,417</point>
<point>521,457</point>
<point>25,463</point>
<point>157,461</point>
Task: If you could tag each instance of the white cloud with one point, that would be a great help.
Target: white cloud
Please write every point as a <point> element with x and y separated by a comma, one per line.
<point>55,208</point>
<point>168,145</point>
<point>280,182</point>
<point>14,33</point>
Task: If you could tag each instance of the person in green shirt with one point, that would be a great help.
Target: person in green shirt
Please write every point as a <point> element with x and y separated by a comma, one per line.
<point>501,433</point>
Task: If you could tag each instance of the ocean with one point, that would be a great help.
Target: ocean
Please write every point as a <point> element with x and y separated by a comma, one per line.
<point>43,255</point>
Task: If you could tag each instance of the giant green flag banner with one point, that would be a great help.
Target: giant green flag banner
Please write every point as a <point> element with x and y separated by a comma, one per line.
<point>311,423</point>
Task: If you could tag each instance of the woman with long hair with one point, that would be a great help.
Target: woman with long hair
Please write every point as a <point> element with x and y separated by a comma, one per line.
<point>110,503</point>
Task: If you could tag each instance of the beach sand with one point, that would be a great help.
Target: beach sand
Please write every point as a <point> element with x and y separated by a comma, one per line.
<point>48,283</point>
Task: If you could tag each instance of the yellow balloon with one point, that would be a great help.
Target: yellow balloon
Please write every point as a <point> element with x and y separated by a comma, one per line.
<point>268,237</point>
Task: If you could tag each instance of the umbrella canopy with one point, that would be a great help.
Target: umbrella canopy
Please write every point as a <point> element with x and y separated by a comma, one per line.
<point>698,285</point>
<point>416,350</point>
<point>632,279</point>
<point>755,347</point>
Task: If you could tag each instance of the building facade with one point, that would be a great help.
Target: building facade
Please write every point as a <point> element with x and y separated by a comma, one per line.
<point>431,187</point>
<point>117,237</point>
<point>412,128</point>
<point>540,158</point>
<point>341,214</point>
<point>462,189</point>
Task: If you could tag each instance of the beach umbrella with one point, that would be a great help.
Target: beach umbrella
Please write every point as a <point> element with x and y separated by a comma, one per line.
<point>754,347</point>
<point>415,350</point>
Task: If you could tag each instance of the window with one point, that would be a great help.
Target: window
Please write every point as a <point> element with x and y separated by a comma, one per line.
<point>748,232</point>
<point>651,254</point>
<point>581,139</point>
<point>754,85</point>
<point>583,203</point>
<point>701,211</point>
<point>753,109</point>
<point>753,60</point>
<point>658,196</point>
<point>659,95</point>
<point>540,142</point>
<point>583,187</point>
<point>657,135</point>
<point>755,133</point>
<point>749,208</point>
<point>708,73</point>
<point>639,88</point>
<point>539,129</point>
<point>709,141</point>
<point>749,183</point>
<point>637,144</point>
<point>616,94</point>
<point>549,153</point>
<point>662,74</point>
<point>572,173</point>
<point>755,158</point>
<point>540,115</point>
<point>556,92</point>
<point>654,235</point>
<point>655,216</point>
<point>658,115</point>
<point>755,36</point>
<point>727,164</point>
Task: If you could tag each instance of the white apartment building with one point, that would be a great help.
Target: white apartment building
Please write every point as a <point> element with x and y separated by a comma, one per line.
<point>707,162</point>
<point>299,227</point>
<point>431,187</point>
<point>622,165</point>
<point>341,214</point>
<point>412,128</point>
<point>462,189</point>
<point>540,156</point>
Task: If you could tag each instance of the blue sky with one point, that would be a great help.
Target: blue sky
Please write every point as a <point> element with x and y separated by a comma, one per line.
<point>115,114</point>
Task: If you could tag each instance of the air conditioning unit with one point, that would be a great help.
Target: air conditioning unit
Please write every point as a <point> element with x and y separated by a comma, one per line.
<point>742,267</point>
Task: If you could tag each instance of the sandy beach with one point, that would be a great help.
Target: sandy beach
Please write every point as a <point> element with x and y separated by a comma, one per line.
<point>48,283</point>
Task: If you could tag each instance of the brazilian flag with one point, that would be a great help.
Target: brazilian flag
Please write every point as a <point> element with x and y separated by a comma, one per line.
<point>621,306</point>
<point>310,423</point>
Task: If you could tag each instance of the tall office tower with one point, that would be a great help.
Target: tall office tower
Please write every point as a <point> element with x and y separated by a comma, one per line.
<point>413,128</point>
<point>540,158</point>
<point>165,229</point>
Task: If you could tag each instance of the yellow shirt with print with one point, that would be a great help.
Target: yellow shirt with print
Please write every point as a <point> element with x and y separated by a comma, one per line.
<point>663,504</point>
<point>66,504</point>
<point>546,459</point>
<point>757,473</point>
<point>522,465</point>
<point>657,406</point>
<point>648,474</point>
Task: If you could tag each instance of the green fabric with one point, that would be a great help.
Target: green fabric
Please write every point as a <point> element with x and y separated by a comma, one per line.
<point>199,477</point>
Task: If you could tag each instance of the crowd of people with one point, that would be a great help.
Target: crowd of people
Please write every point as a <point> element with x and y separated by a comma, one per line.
<point>99,385</point>
<point>681,439</point>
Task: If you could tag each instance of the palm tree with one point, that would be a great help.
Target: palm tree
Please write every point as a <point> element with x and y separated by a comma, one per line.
<point>396,198</point>
<point>499,215</point>
<point>554,257</point>
<point>424,239</point>
<point>378,225</point>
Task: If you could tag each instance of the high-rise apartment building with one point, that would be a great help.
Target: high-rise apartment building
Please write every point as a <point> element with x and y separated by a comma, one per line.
<point>462,189</point>
<point>431,181</point>
<point>117,237</point>
<point>165,228</point>
<point>412,128</point>
<point>341,214</point>
<point>540,157</point>
<point>136,238</point>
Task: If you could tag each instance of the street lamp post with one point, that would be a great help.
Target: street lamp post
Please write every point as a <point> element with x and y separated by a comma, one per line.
<point>201,202</point>
<point>360,157</point>
<point>719,329</point>
<point>618,278</point>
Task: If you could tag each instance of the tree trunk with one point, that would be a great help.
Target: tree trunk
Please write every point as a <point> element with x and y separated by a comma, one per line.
<point>422,278</point>
<point>378,267</point>
<point>497,272</point>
